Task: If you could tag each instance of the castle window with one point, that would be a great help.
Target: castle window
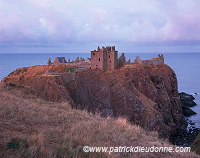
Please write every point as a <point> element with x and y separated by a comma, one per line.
<point>99,59</point>
<point>109,56</point>
<point>110,61</point>
<point>93,53</point>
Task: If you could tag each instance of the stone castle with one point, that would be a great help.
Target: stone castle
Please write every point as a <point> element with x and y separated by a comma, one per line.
<point>105,58</point>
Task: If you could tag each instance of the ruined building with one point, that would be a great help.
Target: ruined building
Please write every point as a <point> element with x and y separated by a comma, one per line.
<point>159,60</point>
<point>49,61</point>
<point>104,58</point>
<point>122,60</point>
<point>59,60</point>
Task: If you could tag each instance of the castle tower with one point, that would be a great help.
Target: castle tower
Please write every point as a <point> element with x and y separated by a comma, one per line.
<point>105,58</point>
<point>49,61</point>
<point>112,56</point>
<point>161,58</point>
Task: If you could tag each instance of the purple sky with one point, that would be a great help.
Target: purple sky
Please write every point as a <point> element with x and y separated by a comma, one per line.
<point>81,25</point>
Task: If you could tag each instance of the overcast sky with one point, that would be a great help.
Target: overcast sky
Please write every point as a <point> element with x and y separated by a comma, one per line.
<point>82,25</point>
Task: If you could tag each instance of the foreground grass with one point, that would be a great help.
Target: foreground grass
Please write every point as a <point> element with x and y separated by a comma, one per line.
<point>31,127</point>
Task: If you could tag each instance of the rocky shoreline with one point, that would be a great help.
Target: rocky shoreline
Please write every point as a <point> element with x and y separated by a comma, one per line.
<point>187,101</point>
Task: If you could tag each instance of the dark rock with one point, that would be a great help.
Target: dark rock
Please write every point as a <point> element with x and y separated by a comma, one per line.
<point>196,145</point>
<point>189,103</point>
<point>187,111</point>
<point>191,123</point>
<point>186,138</point>
<point>191,135</point>
<point>186,97</point>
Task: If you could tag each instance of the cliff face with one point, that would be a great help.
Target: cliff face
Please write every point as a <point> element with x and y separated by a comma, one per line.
<point>146,96</point>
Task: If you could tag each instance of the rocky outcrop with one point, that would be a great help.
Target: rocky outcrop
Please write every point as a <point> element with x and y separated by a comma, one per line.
<point>186,102</point>
<point>37,78</point>
<point>145,95</point>
<point>187,111</point>
<point>187,99</point>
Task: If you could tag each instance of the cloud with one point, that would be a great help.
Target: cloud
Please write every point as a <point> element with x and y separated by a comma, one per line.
<point>142,21</point>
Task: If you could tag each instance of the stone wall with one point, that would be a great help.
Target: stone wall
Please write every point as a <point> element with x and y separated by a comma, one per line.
<point>156,61</point>
<point>59,60</point>
<point>98,59</point>
<point>122,60</point>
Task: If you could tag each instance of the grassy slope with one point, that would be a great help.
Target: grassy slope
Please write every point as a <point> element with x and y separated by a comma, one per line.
<point>47,129</point>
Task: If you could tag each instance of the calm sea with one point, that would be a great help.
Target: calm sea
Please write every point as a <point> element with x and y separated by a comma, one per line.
<point>185,65</point>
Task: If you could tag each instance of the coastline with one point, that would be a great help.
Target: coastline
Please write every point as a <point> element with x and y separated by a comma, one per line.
<point>167,60</point>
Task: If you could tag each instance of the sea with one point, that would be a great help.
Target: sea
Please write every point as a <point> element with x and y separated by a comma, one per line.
<point>185,65</point>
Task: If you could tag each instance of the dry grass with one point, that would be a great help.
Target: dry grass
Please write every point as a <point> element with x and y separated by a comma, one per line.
<point>31,127</point>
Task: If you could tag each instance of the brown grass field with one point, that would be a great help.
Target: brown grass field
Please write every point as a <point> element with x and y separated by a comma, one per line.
<point>34,128</point>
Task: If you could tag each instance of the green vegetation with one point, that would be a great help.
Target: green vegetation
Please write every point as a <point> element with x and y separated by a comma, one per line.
<point>71,69</point>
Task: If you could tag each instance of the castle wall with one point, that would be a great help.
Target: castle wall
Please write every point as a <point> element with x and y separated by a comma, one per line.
<point>111,60</point>
<point>137,60</point>
<point>97,60</point>
<point>56,61</point>
<point>121,60</point>
<point>156,61</point>
<point>59,60</point>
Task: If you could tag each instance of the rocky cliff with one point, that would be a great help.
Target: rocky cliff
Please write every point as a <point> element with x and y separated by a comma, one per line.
<point>147,96</point>
<point>40,80</point>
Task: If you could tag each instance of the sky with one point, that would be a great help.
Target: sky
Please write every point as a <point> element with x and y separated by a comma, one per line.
<point>79,26</point>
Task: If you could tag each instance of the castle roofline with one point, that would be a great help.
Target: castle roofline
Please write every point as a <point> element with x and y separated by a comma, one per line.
<point>107,48</point>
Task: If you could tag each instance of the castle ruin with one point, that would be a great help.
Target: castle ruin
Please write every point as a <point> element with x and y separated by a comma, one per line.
<point>104,58</point>
<point>156,61</point>
<point>59,60</point>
